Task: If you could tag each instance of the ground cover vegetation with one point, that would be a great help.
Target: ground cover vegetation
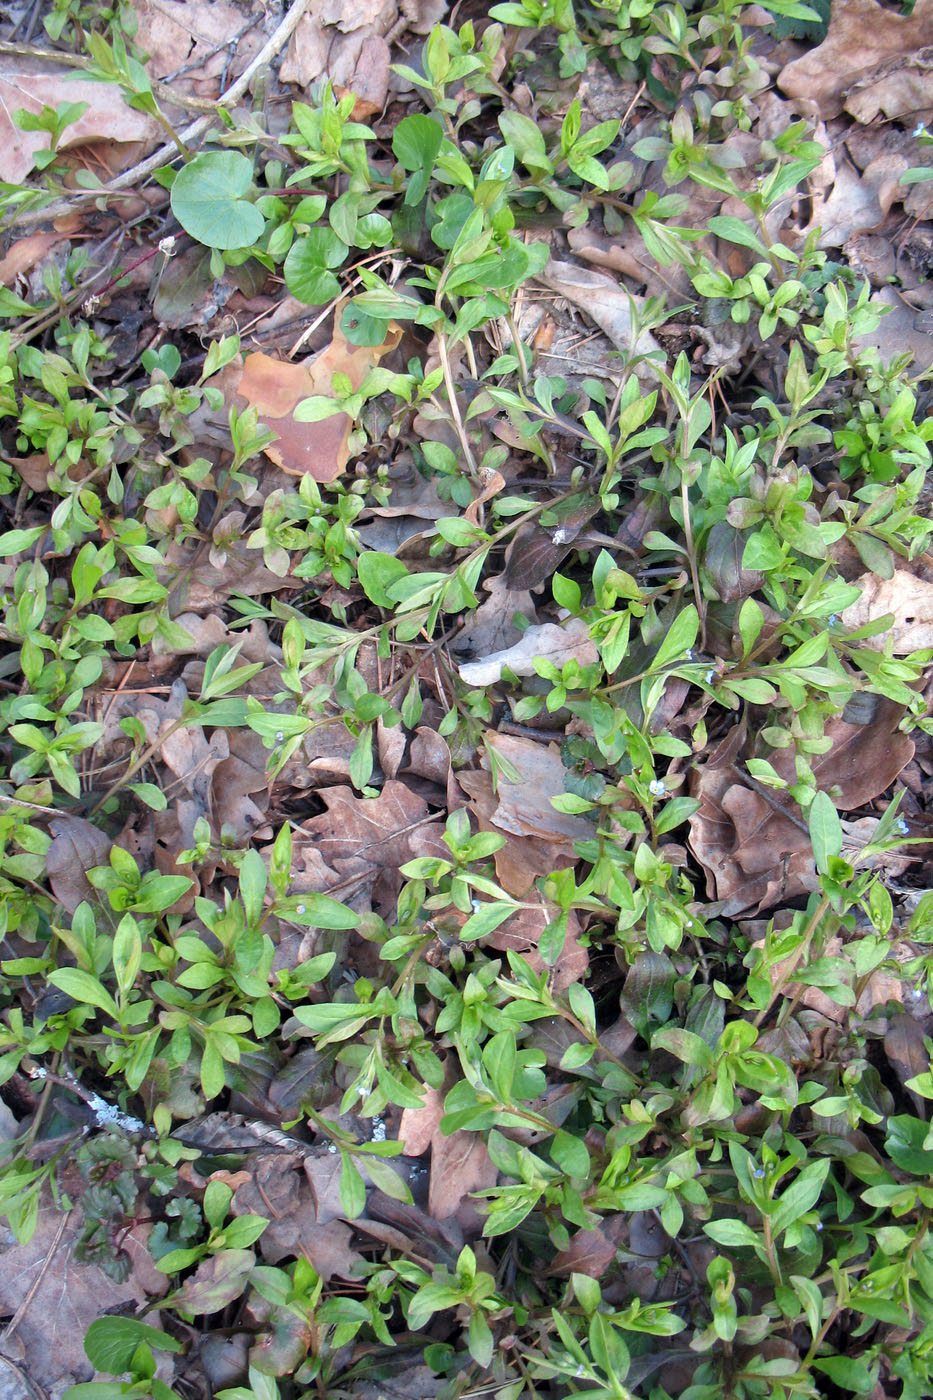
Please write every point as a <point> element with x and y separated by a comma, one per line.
<point>466,613</point>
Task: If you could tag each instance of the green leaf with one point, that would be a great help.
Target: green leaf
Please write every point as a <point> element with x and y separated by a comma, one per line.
<point>733,1234</point>
<point>85,989</point>
<point>735,230</point>
<point>377,572</point>
<point>307,266</point>
<point>570,1154</point>
<point>847,1372</point>
<point>320,911</point>
<point>352,1187</point>
<point>416,141</point>
<point>207,200</point>
<point>800,1196</point>
<point>110,1342</point>
<point>680,638</point>
<point>825,830</point>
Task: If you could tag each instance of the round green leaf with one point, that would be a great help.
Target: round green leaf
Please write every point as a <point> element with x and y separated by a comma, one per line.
<point>207,200</point>
<point>307,274</point>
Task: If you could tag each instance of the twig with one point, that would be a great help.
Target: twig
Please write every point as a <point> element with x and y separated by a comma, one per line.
<point>80,60</point>
<point>168,153</point>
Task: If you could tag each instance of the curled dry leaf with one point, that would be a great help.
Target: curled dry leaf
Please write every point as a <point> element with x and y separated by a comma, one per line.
<point>754,849</point>
<point>569,641</point>
<point>908,598</point>
<point>863,35</point>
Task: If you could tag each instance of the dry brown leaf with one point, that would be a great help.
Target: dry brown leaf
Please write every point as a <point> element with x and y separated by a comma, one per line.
<point>301,1193</point>
<point>199,586</point>
<point>362,838</point>
<point>907,597</point>
<point>608,306</point>
<point>569,641</point>
<point>490,628</point>
<point>902,330</point>
<point>370,80</point>
<point>590,1251</point>
<point>68,1295</point>
<point>77,846</point>
<point>523,858</point>
<point>901,88</point>
<point>524,806</point>
<point>859,201</point>
<point>22,258</point>
<point>198,37</point>
<point>24,84</point>
<point>459,1162</point>
<point>275,387</point>
<point>521,933</point>
<point>862,36</point>
<point>492,482</point>
<point>907,1054</point>
<point>755,852</point>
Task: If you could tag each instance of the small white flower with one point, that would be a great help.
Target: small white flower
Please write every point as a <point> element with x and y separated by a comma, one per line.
<point>379,1130</point>
<point>167,246</point>
<point>657,787</point>
<point>833,619</point>
<point>902,826</point>
<point>299,909</point>
<point>709,676</point>
<point>279,737</point>
<point>689,653</point>
<point>920,129</point>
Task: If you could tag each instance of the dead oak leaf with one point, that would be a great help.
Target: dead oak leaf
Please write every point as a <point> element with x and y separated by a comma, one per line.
<point>299,1194</point>
<point>907,598</point>
<point>863,36</point>
<point>360,837</point>
<point>523,858</point>
<point>522,932</point>
<point>197,38</point>
<point>77,846</point>
<point>754,849</point>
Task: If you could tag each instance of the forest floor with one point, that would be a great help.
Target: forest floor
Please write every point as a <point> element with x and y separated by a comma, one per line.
<point>466,779</point>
